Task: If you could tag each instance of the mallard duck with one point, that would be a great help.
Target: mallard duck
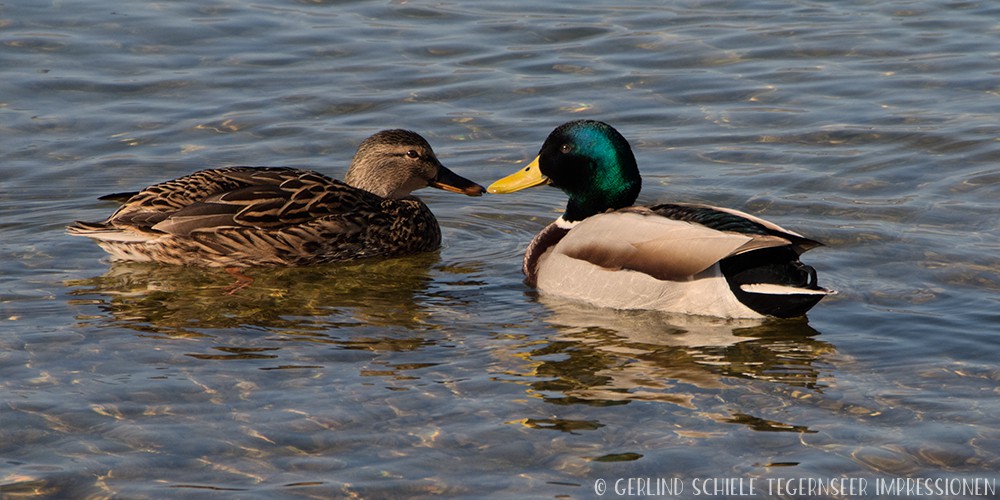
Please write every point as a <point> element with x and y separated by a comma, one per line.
<point>279,216</point>
<point>675,257</point>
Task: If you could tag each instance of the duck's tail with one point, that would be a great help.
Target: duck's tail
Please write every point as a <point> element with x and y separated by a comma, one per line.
<point>104,231</point>
<point>774,282</point>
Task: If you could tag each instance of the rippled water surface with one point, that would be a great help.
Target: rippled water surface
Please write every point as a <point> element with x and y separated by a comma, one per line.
<point>871,126</point>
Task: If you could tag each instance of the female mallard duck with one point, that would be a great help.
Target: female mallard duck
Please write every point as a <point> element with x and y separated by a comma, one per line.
<point>277,216</point>
<point>682,258</point>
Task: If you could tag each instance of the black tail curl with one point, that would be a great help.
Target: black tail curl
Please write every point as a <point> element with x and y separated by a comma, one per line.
<point>777,266</point>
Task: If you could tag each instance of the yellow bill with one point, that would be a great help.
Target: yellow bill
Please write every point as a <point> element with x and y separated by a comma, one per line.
<point>525,178</point>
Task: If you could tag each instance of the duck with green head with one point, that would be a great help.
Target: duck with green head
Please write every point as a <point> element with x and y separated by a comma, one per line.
<point>674,257</point>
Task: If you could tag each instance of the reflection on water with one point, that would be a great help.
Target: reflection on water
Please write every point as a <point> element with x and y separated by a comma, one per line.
<point>173,300</point>
<point>367,305</point>
<point>596,357</point>
<point>606,357</point>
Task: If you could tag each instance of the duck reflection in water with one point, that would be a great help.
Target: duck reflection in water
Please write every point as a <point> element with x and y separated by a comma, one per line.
<point>609,357</point>
<point>369,296</point>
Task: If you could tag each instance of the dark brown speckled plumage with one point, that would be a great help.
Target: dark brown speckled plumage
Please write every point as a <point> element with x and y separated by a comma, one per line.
<point>276,216</point>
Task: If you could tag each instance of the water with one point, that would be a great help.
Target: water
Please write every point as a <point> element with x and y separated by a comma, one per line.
<point>871,126</point>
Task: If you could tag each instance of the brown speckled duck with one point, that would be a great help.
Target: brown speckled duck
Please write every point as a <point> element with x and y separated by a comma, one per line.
<point>279,216</point>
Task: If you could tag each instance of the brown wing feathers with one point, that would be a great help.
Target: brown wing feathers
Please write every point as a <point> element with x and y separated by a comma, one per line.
<point>670,242</point>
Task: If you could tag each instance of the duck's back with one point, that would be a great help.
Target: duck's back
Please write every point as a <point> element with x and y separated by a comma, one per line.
<point>690,259</point>
<point>242,216</point>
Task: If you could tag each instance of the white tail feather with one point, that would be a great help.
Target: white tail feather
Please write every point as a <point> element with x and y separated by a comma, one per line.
<point>113,235</point>
<point>772,289</point>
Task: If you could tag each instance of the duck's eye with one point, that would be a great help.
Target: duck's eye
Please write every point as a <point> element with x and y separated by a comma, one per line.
<point>566,148</point>
<point>412,154</point>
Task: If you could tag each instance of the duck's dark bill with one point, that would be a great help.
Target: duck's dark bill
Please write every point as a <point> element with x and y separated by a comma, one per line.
<point>450,181</point>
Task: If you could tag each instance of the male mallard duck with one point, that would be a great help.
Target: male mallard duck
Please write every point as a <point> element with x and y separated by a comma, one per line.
<point>278,216</point>
<point>675,257</point>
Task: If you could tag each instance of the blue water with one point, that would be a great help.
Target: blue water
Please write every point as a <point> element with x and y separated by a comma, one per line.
<point>870,126</point>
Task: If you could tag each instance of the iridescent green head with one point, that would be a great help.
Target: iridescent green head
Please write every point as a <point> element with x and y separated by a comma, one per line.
<point>590,161</point>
